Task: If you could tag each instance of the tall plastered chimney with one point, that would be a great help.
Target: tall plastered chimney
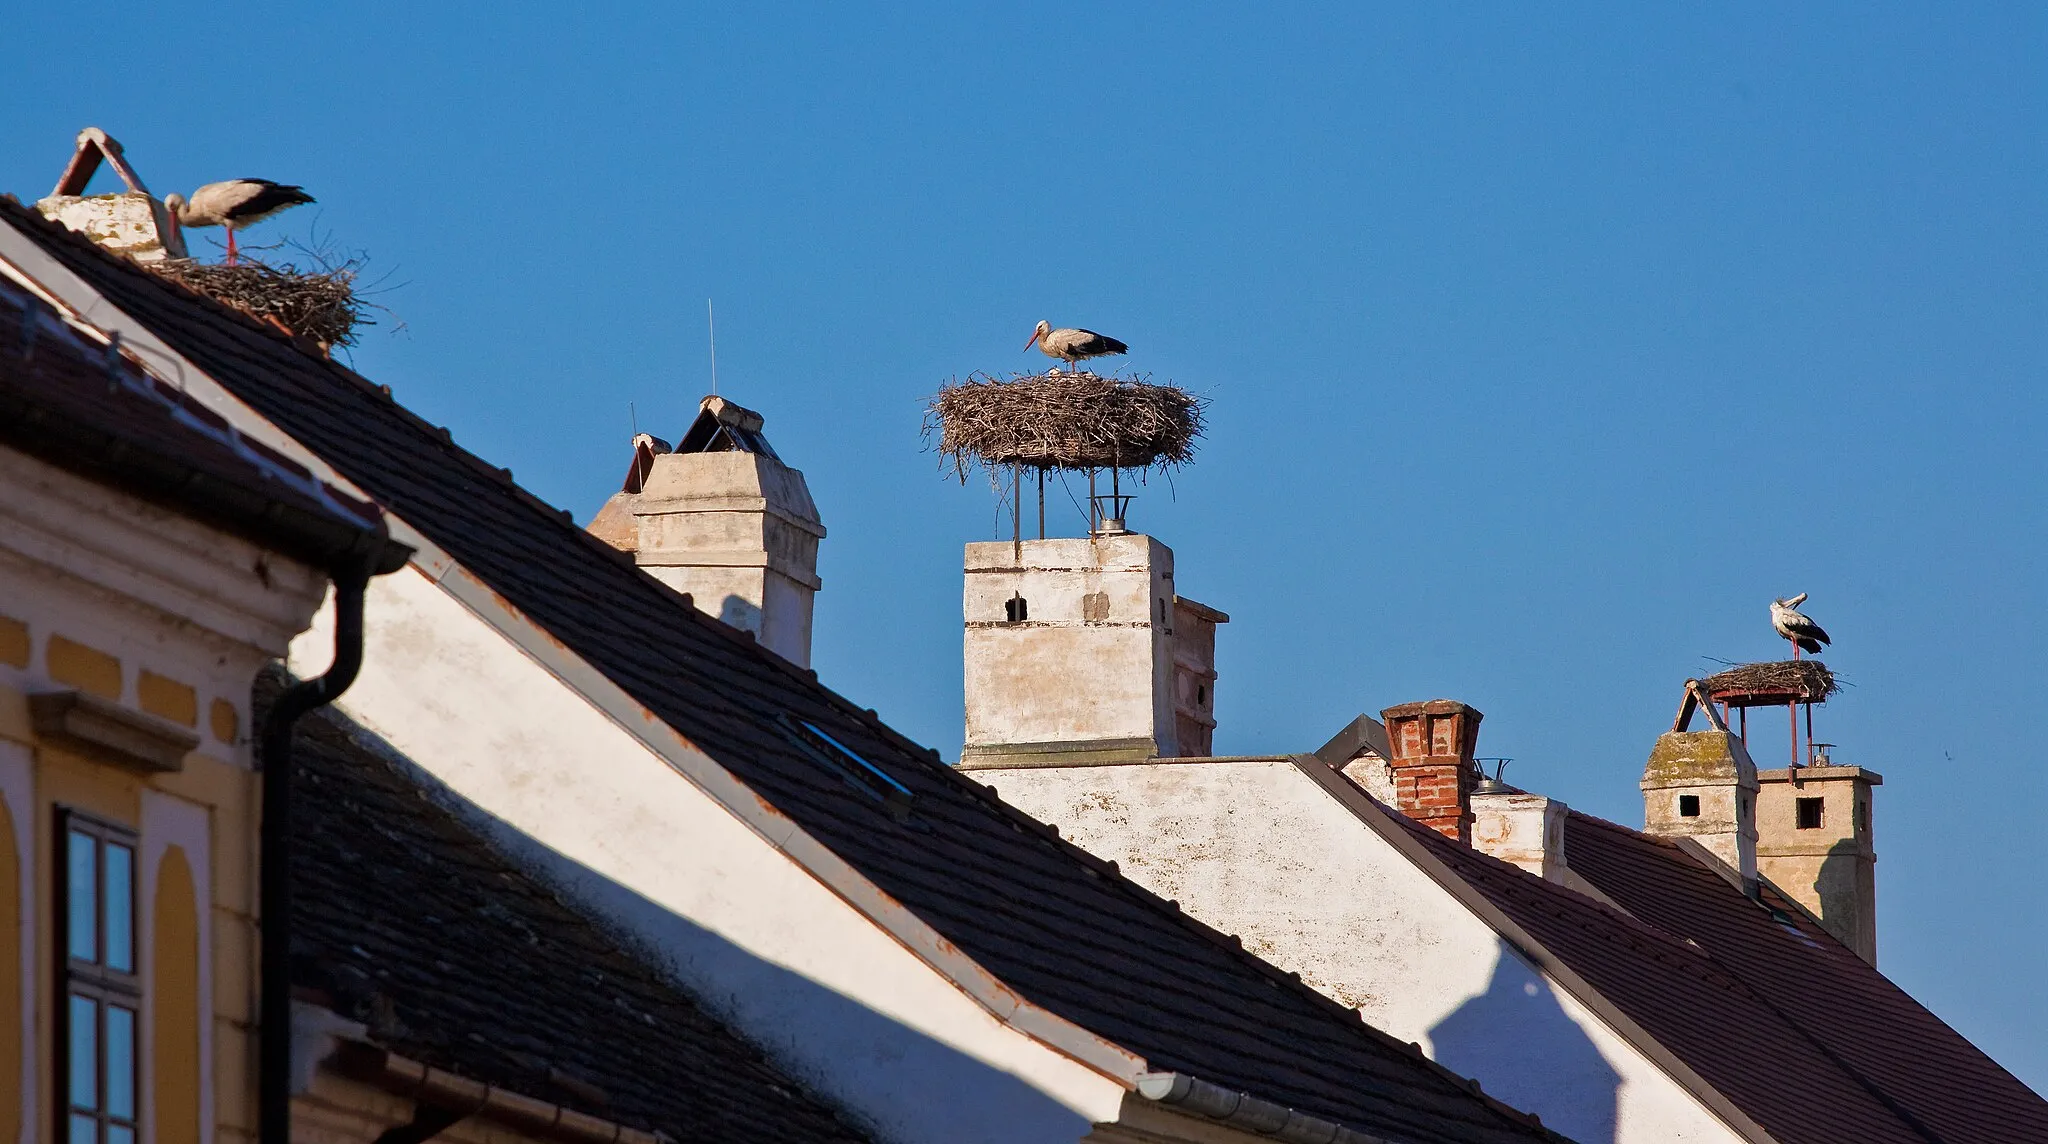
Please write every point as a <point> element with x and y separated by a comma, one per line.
<point>1702,785</point>
<point>1079,649</point>
<point>720,517</point>
<point>1814,842</point>
<point>1431,766</point>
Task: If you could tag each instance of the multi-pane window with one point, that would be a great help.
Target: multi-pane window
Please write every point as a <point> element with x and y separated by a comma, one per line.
<point>102,993</point>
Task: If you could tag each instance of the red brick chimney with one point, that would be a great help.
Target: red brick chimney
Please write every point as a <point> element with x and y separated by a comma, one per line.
<point>1432,764</point>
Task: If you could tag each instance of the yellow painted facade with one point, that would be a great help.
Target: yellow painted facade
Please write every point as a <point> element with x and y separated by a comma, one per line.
<point>172,631</point>
<point>174,1005</point>
<point>223,795</point>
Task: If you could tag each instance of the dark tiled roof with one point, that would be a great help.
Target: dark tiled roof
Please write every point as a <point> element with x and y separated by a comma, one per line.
<point>75,405</point>
<point>1049,921</point>
<point>407,920</point>
<point>1799,1033</point>
<point>1931,1079</point>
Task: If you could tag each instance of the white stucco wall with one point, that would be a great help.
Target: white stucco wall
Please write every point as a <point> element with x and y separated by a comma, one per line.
<point>832,996</point>
<point>1073,671</point>
<point>1256,848</point>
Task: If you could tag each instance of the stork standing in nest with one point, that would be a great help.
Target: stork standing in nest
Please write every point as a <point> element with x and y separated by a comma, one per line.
<point>234,204</point>
<point>1072,346</point>
<point>1793,625</point>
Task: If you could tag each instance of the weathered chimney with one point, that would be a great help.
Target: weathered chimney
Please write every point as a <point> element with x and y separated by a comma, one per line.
<point>1522,828</point>
<point>1814,842</point>
<point>1702,785</point>
<point>721,518</point>
<point>130,222</point>
<point>1080,649</point>
<point>1432,765</point>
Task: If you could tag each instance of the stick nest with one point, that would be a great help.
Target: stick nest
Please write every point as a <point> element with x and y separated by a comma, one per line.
<point>1809,679</point>
<point>1064,421</point>
<point>321,303</point>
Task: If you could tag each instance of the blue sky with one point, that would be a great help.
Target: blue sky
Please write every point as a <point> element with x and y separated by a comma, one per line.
<point>1543,348</point>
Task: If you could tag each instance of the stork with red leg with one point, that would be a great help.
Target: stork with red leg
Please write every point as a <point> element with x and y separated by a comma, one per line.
<point>1073,346</point>
<point>234,204</point>
<point>1793,624</point>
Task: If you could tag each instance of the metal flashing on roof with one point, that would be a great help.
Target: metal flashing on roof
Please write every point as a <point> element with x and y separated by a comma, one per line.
<point>1364,733</point>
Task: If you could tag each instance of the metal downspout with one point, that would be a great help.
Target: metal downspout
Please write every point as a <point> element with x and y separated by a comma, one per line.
<point>274,1007</point>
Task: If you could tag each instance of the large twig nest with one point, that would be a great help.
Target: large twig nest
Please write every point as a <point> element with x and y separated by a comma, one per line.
<point>1064,421</point>
<point>1807,679</point>
<point>321,304</point>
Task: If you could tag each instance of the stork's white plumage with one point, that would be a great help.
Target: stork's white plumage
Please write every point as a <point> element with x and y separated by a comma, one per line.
<point>1071,346</point>
<point>234,204</point>
<point>1795,626</point>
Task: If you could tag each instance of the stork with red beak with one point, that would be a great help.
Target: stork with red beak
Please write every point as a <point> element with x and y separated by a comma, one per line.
<point>234,204</point>
<point>1072,346</point>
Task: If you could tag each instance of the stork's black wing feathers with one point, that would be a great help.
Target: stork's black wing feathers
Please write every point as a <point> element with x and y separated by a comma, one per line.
<point>1806,631</point>
<point>272,198</point>
<point>1102,344</point>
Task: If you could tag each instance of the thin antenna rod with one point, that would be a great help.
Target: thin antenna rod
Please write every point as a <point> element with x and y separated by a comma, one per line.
<point>635,415</point>
<point>711,320</point>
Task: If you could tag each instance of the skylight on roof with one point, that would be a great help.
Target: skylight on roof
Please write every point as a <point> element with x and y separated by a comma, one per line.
<point>850,765</point>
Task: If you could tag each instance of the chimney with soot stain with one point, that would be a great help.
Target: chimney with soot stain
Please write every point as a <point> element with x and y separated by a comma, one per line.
<point>1433,771</point>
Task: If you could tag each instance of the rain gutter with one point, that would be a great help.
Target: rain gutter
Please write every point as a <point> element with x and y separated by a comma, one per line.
<point>1245,1112</point>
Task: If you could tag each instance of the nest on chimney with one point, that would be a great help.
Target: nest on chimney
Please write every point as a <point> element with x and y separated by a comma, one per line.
<point>1057,420</point>
<point>321,303</point>
<point>1805,680</point>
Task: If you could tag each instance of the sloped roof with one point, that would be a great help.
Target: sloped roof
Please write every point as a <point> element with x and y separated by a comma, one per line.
<point>1799,1034</point>
<point>409,921</point>
<point>88,409</point>
<point>1933,1082</point>
<point>1053,923</point>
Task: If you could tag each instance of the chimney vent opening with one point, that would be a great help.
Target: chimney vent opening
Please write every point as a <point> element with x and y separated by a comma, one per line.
<point>1810,812</point>
<point>1688,806</point>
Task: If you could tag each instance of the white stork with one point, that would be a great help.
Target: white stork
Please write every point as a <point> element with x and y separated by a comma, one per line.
<point>1794,626</point>
<point>234,204</point>
<point>1071,346</point>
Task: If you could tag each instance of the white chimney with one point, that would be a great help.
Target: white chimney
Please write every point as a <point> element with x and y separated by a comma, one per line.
<point>721,518</point>
<point>1080,649</point>
<point>1525,829</point>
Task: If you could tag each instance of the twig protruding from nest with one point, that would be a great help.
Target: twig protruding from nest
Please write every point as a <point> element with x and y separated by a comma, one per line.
<point>321,304</point>
<point>1064,421</point>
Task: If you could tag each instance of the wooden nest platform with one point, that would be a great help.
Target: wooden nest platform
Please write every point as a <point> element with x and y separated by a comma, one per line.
<point>1772,684</point>
<point>320,304</point>
<point>1073,421</point>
